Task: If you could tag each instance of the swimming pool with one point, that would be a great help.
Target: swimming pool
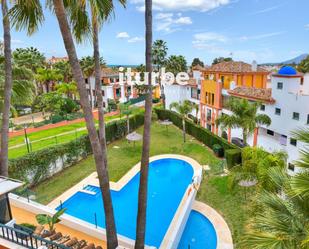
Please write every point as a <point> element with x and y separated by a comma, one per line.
<point>199,233</point>
<point>168,181</point>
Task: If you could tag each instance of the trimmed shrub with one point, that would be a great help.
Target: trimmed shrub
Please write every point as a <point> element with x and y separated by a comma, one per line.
<point>39,165</point>
<point>218,150</point>
<point>201,134</point>
<point>233,157</point>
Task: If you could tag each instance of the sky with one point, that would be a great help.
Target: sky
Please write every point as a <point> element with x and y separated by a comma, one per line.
<point>247,30</point>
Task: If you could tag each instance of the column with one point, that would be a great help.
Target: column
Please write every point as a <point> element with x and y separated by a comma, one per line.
<point>255,136</point>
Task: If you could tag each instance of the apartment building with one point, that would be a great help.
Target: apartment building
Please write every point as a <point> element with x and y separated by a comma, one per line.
<point>218,80</point>
<point>284,97</point>
<point>111,88</point>
<point>179,93</point>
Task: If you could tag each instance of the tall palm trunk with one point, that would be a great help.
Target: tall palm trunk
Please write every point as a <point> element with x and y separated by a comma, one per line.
<point>97,72</point>
<point>143,184</point>
<point>8,83</point>
<point>244,136</point>
<point>111,233</point>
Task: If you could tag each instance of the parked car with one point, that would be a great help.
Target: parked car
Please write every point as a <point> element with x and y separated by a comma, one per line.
<point>239,142</point>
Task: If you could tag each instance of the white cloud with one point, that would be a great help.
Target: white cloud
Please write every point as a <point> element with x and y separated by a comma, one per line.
<point>181,5</point>
<point>210,37</point>
<point>122,35</point>
<point>168,22</point>
<point>266,10</point>
<point>307,26</point>
<point>261,36</point>
<point>136,39</point>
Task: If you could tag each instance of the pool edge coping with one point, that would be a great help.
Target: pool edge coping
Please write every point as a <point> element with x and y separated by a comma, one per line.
<point>224,235</point>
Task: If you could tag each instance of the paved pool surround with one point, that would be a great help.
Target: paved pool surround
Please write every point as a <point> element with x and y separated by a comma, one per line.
<point>176,227</point>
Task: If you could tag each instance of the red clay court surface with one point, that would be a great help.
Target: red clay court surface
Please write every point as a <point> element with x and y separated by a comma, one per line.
<point>62,123</point>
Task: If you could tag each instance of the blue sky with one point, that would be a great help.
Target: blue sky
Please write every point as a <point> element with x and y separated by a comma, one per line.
<point>264,30</point>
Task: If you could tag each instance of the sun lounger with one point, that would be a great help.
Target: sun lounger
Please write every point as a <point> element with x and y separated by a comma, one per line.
<point>63,240</point>
<point>46,233</point>
<point>90,246</point>
<point>71,242</point>
<point>81,244</point>
<point>55,236</point>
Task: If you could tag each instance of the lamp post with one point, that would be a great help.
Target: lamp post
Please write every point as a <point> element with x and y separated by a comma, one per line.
<point>26,139</point>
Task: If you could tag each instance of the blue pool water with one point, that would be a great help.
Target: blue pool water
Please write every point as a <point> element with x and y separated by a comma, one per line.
<point>199,233</point>
<point>168,181</point>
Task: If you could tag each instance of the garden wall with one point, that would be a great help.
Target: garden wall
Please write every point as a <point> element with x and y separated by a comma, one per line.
<point>40,165</point>
<point>232,153</point>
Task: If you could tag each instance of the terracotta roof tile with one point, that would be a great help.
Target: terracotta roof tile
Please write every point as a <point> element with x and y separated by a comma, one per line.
<point>251,93</point>
<point>234,67</point>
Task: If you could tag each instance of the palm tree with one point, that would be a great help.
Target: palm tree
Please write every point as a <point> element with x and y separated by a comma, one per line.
<point>64,68</point>
<point>300,183</point>
<point>29,15</point>
<point>88,65</point>
<point>196,107</point>
<point>143,184</point>
<point>282,219</point>
<point>8,84</point>
<point>244,116</point>
<point>127,110</point>
<point>184,109</point>
<point>47,78</point>
<point>68,89</point>
<point>159,52</point>
<point>30,57</point>
<point>176,64</point>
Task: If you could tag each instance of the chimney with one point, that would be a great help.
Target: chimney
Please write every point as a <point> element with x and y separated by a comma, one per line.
<point>254,66</point>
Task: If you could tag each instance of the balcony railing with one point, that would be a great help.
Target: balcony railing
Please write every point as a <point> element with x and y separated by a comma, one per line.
<point>27,238</point>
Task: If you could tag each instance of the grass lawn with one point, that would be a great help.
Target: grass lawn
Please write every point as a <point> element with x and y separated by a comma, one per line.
<point>213,190</point>
<point>50,137</point>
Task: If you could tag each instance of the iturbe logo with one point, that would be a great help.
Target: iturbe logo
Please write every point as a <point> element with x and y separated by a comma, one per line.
<point>164,78</point>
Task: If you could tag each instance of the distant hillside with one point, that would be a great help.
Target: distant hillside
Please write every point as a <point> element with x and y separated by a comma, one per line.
<point>295,60</point>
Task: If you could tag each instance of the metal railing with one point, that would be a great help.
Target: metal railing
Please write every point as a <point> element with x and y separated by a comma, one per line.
<point>27,238</point>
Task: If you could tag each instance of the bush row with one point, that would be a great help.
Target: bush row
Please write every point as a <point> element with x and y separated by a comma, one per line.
<point>232,152</point>
<point>39,165</point>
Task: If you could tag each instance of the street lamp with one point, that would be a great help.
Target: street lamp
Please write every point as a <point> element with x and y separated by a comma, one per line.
<point>26,139</point>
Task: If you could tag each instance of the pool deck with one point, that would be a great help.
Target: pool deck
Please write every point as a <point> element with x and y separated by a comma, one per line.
<point>82,229</point>
<point>224,235</point>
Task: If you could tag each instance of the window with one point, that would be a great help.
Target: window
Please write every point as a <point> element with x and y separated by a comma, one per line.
<point>93,93</point>
<point>103,93</point>
<point>293,141</point>
<point>280,85</point>
<point>283,140</point>
<point>262,108</point>
<point>308,119</point>
<point>296,115</point>
<point>278,111</point>
<point>194,93</point>
<point>209,127</point>
<point>291,166</point>
<point>86,81</point>
<point>222,79</point>
<point>270,132</point>
<point>213,99</point>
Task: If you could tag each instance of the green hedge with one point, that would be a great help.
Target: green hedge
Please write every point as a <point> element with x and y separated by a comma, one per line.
<point>203,135</point>
<point>233,157</point>
<point>39,165</point>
